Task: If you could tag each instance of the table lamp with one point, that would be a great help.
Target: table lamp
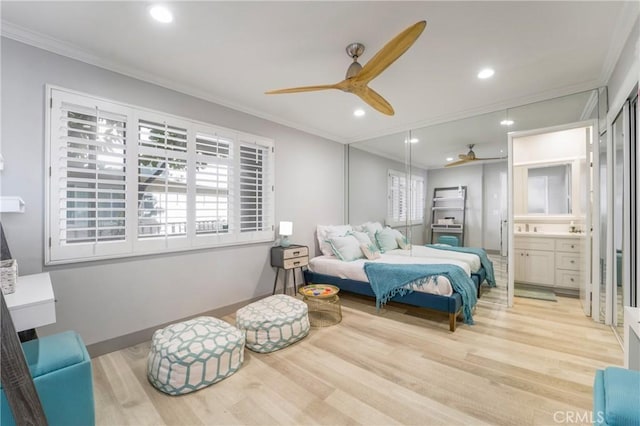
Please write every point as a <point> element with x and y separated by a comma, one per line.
<point>286,229</point>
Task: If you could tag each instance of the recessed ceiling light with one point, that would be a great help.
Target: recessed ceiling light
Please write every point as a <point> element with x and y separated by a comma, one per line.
<point>449,158</point>
<point>506,122</point>
<point>161,14</point>
<point>359,112</point>
<point>486,73</point>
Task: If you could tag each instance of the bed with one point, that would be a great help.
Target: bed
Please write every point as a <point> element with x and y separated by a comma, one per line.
<point>437,294</point>
<point>377,261</point>
<point>478,272</point>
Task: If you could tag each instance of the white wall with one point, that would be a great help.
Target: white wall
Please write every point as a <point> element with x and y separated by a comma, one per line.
<point>471,177</point>
<point>545,147</point>
<point>106,299</point>
<point>368,189</point>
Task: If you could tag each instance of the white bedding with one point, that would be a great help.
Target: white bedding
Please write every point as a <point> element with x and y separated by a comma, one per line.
<point>421,251</point>
<point>330,265</point>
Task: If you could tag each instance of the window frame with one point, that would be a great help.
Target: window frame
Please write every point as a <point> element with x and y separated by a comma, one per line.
<point>58,253</point>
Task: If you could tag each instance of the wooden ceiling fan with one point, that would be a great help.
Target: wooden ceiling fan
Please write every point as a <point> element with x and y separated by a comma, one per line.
<point>358,76</point>
<point>469,157</point>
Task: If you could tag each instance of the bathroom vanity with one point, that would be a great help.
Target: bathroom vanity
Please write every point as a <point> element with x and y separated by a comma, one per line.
<point>549,259</point>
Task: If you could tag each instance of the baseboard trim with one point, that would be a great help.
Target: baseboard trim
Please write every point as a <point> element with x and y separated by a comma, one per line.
<point>137,337</point>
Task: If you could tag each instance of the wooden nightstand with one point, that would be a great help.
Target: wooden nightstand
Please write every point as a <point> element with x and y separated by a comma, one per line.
<point>289,258</point>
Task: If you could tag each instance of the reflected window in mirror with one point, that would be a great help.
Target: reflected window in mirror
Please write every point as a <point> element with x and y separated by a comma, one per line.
<point>405,199</point>
<point>549,190</point>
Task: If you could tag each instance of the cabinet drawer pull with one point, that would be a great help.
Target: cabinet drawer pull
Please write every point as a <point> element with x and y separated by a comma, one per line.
<point>571,279</point>
<point>296,252</point>
<point>296,263</point>
<point>573,261</point>
<point>573,246</point>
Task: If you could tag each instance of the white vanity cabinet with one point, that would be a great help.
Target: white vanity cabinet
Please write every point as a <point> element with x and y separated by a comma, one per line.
<point>548,260</point>
<point>534,260</point>
<point>568,261</point>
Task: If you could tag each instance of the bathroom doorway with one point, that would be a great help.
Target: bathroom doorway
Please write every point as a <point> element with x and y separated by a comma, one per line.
<point>550,211</point>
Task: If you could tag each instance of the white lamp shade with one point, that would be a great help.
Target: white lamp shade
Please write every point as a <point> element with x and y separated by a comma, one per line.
<point>286,228</point>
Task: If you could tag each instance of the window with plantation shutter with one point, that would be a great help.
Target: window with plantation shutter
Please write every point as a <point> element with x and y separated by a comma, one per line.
<point>89,166</point>
<point>251,188</point>
<point>162,180</point>
<point>405,199</point>
<point>416,200</point>
<point>214,184</point>
<point>126,181</point>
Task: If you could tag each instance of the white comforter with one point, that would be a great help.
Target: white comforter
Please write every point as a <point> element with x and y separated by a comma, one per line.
<point>331,265</point>
<point>421,251</point>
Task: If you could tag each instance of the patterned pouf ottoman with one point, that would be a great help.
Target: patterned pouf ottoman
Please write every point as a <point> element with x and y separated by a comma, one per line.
<point>193,354</point>
<point>273,323</point>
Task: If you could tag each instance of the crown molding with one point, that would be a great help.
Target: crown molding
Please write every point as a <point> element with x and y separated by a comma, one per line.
<point>53,45</point>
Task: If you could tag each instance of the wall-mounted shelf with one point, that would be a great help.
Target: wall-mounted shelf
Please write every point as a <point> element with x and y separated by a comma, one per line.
<point>11,205</point>
<point>448,213</point>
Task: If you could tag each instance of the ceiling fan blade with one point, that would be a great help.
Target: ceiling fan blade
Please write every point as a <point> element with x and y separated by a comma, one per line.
<point>390,52</point>
<point>374,99</point>
<point>492,158</point>
<point>457,163</point>
<point>303,89</point>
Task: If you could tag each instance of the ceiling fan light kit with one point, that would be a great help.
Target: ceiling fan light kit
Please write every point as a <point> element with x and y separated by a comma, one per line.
<point>358,76</point>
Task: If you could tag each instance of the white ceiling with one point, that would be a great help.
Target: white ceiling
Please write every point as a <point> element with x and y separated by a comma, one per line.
<point>436,143</point>
<point>231,52</point>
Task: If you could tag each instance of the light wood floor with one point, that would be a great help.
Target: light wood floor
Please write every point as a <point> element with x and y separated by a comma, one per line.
<point>513,367</point>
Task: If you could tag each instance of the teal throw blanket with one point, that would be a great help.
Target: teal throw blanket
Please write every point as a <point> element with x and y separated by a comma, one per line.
<point>480,252</point>
<point>388,280</point>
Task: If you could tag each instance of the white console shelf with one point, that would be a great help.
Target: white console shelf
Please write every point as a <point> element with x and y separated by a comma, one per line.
<point>11,205</point>
<point>32,305</point>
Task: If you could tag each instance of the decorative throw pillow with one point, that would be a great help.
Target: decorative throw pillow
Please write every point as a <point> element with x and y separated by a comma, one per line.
<point>324,232</point>
<point>403,242</point>
<point>370,229</point>
<point>370,251</point>
<point>346,248</point>
<point>386,239</point>
<point>363,237</point>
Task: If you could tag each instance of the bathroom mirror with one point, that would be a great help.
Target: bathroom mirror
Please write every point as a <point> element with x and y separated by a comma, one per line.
<point>549,190</point>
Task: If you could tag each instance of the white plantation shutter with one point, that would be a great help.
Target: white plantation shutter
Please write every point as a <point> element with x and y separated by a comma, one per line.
<point>405,202</point>
<point>396,198</point>
<point>255,191</point>
<point>125,181</point>
<point>417,197</point>
<point>162,182</point>
<point>214,182</point>
<point>88,187</point>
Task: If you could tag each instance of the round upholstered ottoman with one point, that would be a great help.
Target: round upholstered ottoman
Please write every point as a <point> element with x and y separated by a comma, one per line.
<point>193,354</point>
<point>273,323</point>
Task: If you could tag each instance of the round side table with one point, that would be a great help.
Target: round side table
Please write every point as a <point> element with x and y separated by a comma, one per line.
<point>323,303</point>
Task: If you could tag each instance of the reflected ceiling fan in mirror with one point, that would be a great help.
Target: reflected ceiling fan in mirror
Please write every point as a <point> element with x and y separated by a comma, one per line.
<point>470,157</point>
<point>358,76</point>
